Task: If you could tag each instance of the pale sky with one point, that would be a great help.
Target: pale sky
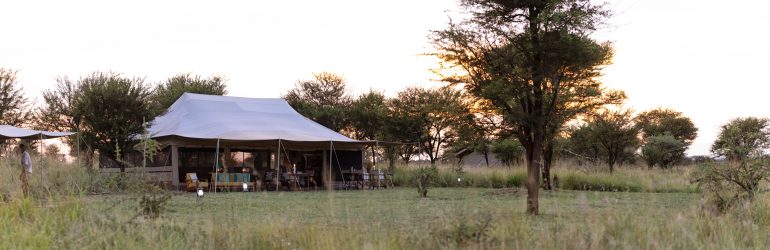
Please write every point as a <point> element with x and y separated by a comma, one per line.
<point>704,58</point>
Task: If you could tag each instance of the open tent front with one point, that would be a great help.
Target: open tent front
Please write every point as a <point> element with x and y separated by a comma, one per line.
<point>263,139</point>
<point>11,132</point>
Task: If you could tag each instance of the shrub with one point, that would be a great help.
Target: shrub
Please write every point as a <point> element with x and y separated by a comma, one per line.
<point>152,204</point>
<point>726,185</point>
<point>425,177</point>
<point>508,151</point>
<point>662,150</point>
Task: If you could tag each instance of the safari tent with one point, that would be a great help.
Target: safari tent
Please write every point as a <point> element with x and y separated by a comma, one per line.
<point>248,135</point>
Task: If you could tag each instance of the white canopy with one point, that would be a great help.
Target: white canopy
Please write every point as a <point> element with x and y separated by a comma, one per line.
<point>10,132</point>
<point>200,116</point>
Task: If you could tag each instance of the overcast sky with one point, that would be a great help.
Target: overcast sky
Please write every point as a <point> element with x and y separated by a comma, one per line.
<point>707,59</point>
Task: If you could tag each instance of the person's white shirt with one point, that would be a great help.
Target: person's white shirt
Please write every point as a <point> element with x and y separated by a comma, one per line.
<point>26,161</point>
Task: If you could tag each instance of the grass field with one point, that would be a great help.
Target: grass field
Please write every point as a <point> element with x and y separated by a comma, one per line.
<point>468,217</point>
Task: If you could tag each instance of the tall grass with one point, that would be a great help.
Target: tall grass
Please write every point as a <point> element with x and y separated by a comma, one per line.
<point>69,210</point>
<point>386,219</point>
<point>623,179</point>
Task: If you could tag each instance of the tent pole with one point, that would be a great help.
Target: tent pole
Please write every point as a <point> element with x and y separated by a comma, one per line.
<point>78,145</point>
<point>374,155</point>
<point>330,166</point>
<point>278,174</point>
<point>41,159</point>
<point>216,164</point>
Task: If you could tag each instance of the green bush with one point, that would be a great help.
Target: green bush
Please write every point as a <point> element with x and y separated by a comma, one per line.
<point>424,178</point>
<point>508,151</point>
<point>727,185</point>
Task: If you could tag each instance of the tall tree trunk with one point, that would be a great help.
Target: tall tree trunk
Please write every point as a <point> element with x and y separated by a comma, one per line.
<point>534,160</point>
<point>374,158</point>
<point>547,160</point>
<point>486,157</point>
<point>611,162</point>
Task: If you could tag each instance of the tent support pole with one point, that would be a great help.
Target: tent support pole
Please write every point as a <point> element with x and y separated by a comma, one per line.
<point>374,155</point>
<point>78,145</point>
<point>42,176</point>
<point>331,148</point>
<point>277,178</point>
<point>216,164</point>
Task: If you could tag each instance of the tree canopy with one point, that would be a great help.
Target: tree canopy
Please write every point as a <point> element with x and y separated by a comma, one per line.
<point>528,58</point>
<point>743,138</point>
<point>662,121</point>
<point>663,150</point>
<point>14,106</point>
<point>323,99</point>
<point>610,135</point>
<point>106,108</point>
<point>166,93</point>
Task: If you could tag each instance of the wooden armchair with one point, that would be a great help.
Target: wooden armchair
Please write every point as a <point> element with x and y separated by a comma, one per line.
<point>192,183</point>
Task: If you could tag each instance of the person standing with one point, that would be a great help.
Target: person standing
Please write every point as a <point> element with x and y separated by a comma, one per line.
<point>26,171</point>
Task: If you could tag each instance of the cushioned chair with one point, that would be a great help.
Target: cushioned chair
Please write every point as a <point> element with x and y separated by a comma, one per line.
<point>192,183</point>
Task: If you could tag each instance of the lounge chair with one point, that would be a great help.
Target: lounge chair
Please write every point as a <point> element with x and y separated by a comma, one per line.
<point>192,183</point>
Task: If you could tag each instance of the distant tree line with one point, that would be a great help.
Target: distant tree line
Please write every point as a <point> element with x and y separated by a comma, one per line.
<point>105,108</point>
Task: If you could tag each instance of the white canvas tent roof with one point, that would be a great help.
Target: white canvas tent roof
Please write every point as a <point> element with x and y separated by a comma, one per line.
<point>198,116</point>
<point>10,132</point>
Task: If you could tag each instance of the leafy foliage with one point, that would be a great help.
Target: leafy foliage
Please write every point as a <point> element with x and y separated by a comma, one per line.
<point>508,151</point>
<point>743,142</point>
<point>660,121</point>
<point>534,60</point>
<point>424,178</point>
<point>743,138</point>
<point>14,107</point>
<point>726,185</point>
<point>323,100</point>
<point>608,134</point>
<point>581,144</point>
<point>168,92</point>
<point>663,150</point>
<point>153,202</point>
<point>106,109</point>
<point>147,146</point>
<point>368,114</point>
<point>432,117</point>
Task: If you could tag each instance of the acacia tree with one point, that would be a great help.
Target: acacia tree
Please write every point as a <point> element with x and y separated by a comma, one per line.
<point>432,117</point>
<point>107,109</point>
<point>479,133</point>
<point>14,107</point>
<point>744,142</point>
<point>323,100</point>
<point>655,125</point>
<point>662,121</point>
<point>574,102</point>
<point>615,134</point>
<point>168,92</point>
<point>525,57</point>
<point>445,113</point>
<point>406,120</point>
<point>367,115</point>
<point>581,144</point>
<point>743,138</point>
